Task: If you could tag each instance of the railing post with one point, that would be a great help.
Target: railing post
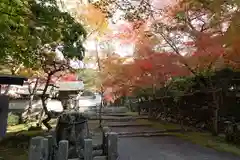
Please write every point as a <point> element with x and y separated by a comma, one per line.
<point>45,149</point>
<point>50,147</point>
<point>112,146</point>
<point>88,149</point>
<point>104,139</point>
<point>35,148</point>
<point>63,150</point>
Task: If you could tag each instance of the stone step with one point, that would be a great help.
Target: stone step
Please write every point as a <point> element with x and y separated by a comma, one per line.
<point>146,135</point>
<point>115,110</point>
<point>108,114</point>
<point>94,158</point>
<point>100,158</point>
<point>150,132</point>
<point>116,114</point>
<point>132,129</point>
<point>117,124</point>
<point>113,118</point>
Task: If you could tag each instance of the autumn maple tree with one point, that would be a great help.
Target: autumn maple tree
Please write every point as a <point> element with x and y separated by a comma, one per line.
<point>177,37</point>
<point>205,31</point>
<point>147,68</point>
<point>215,31</point>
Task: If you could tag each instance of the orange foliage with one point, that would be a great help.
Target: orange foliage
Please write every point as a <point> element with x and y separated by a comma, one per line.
<point>130,32</point>
<point>208,51</point>
<point>93,18</point>
<point>148,70</point>
<point>148,67</point>
<point>216,36</point>
<point>117,75</point>
<point>214,43</point>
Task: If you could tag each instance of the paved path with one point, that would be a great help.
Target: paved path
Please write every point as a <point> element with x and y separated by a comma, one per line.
<point>166,148</point>
<point>163,148</point>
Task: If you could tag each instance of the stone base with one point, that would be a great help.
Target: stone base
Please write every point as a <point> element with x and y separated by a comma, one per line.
<point>115,110</point>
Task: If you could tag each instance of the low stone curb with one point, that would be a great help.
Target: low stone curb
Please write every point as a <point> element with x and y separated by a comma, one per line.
<point>150,132</point>
<point>146,135</point>
<point>123,119</point>
<point>128,125</point>
<point>116,114</point>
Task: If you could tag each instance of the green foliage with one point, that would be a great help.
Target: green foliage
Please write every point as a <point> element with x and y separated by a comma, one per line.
<point>13,119</point>
<point>90,78</point>
<point>27,26</point>
<point>13,27</point>
<point>176,87</point>
<point>180,16</point>
<point>179,86</point>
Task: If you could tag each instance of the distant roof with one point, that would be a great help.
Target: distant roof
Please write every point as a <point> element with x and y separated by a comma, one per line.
<point>11,79</point>
<point>70,86</point>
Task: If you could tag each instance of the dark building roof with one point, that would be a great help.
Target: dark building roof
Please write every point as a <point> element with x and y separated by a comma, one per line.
<point>11,79</point>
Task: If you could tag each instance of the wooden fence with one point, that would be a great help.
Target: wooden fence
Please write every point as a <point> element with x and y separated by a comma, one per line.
<point>43,149</point>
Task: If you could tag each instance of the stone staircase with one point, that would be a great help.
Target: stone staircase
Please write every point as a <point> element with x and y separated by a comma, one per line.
<point>127,125</point>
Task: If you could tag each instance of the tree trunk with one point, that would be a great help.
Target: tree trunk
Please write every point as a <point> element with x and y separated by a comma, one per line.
<point>215,114</point>
<point>7,89</point>
<point>99,69</point>
<point>27,114</point>
<point>49,116</point>
<point>100,114</point>
<point>45,110</point>
<point>150,111</point>
<point>180,116</point>
<point>215,123</point>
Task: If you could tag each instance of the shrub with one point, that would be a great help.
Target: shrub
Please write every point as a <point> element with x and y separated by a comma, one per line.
<point>13,119</point>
